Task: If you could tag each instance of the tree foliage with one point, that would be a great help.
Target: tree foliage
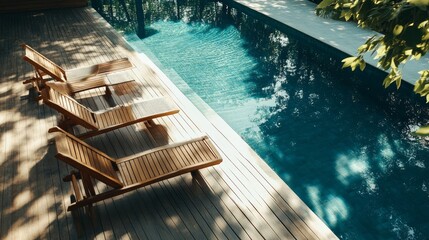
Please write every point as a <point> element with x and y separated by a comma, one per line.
<point>405,28</point>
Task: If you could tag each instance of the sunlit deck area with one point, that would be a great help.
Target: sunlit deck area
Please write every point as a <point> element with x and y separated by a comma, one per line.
<point>240,198</point>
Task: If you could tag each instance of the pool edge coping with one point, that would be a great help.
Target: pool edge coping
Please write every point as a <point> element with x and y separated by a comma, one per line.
<point>409,70</point>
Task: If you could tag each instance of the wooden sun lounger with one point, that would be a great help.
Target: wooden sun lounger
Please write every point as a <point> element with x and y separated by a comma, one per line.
<point>99,122</point>
<point>129,173</point>
<point>94,75</point>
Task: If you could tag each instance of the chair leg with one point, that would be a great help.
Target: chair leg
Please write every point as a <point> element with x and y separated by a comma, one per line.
<point>69,177</point>
<point>108,91</point>
<point>109,98</point>
<point>34,91</point>
<point>89,191</point>
<point>87,184</point>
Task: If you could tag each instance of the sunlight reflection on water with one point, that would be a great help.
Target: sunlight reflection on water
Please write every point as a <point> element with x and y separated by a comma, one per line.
<point>349,156</point>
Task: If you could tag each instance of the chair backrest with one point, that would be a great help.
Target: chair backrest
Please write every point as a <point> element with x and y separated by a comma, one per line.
<point>54,96</point>
<point>42,63</point>
<point>86,158</point>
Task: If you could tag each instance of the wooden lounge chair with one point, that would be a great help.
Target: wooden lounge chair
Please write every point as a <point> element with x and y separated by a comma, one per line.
<point>109,119</point>
<point>94,76</point>
<point>128,173</point>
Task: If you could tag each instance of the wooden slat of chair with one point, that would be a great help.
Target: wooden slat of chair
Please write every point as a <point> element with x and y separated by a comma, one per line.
<point>149,109</point>
<point>140,173</point>
<point>69,107</point>
<point>94,75</point>
<point>179,163</point>
<point>133,178</point>
<point>156,165</point>
<point>115,65</point>
<point>165,165</point>
<point>60,74</point>
<point>169,165</point>
<point>200,153</point>
<point>151,166</point>
<point>147,171</point>
<point>136,177</point>
<point>187,155</point>
<point>177,153</point>
<point>127,178</point>
<point>89,83</point>
<point>103,69</point>
<point>135,171</point>
<point>159,170</point>
<point>79,159</point>
<point>109,119</point>
<point>204,149</point>
<point>158,162</point>
<point>78,110</point>
<point>40,62</point>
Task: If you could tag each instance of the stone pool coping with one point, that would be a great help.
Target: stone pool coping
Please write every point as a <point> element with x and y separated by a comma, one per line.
<point>343,36</point>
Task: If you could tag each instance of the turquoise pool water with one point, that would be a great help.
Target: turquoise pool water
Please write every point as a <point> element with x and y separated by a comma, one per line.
<point>341,142</point>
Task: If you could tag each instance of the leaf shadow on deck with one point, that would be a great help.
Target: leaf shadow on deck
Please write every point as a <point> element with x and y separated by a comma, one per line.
<point>34,198</point>
<point>218,204</point>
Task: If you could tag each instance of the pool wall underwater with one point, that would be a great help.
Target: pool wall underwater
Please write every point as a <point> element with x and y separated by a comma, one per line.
<point>338,138</point>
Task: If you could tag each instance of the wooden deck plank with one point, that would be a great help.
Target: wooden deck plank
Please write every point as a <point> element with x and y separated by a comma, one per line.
<point>241,198</point>
<point>9,167</point>
<point>164,233</point>
<point>174,196</point>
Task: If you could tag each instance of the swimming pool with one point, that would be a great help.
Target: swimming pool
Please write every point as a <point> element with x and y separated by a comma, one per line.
<point>339,140</point>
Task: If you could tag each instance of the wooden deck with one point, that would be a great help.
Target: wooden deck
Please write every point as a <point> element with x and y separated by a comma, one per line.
<point>240,198</point>
<point>25,5</point>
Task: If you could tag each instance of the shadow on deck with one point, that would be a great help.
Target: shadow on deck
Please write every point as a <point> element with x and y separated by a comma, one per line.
<point>241,198</point>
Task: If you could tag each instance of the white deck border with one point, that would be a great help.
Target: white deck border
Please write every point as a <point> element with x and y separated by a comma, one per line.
<point>344,36</point>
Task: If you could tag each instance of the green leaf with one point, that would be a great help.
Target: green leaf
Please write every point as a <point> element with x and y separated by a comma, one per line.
<point>324,4</point>
<point>419,85</point>
<point>416,56</point>
<point>363,48</point>
<point>381,51</point>
<point>408,52</point>
<point>348,61</point>
<point>397,29</point>
<point>398,81</point>
<point>423,131</point>
<point>346,14</point>
<point>362,65</point>
<point>425,90</point>
<point>422,85</point>
<point>388,80</point>
<point>423,24</point>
